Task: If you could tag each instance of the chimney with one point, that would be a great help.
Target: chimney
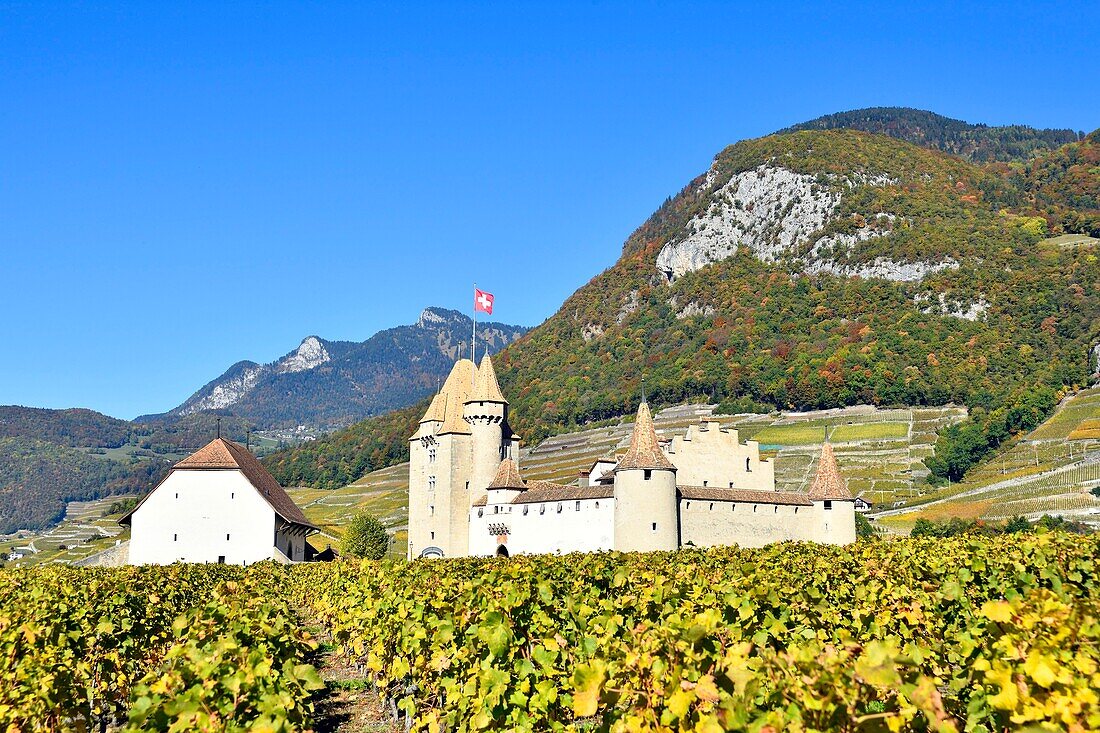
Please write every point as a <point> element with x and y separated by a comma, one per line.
<point>583,477</point>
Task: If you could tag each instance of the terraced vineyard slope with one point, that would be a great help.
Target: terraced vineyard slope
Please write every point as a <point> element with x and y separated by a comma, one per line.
<point>1051,470</point>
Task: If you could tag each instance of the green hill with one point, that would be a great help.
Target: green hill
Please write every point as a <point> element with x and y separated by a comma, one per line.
<point>804,270</point>
<point>976,143</point>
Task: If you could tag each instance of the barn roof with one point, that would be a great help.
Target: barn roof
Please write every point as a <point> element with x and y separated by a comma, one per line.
<point>225,455</point>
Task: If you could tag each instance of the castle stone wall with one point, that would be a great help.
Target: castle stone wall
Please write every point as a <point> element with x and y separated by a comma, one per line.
<point>581,525</point>
<point>706,523</point>
<point>707,455</point>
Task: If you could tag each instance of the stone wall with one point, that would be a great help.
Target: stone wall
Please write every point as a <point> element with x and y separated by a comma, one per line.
<point>711,456</point>
<point>706,523</point>
<point>578,525</point>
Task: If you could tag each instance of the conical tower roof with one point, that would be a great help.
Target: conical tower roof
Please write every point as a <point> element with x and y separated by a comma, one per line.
<point>644,451</point>
<point>446,406</point>
<point>828,483</point>
<point>437,410</point>
<point>486,388</point>
<point>508,476</point>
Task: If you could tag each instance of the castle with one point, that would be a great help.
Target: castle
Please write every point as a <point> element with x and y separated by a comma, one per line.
<point>704,488</point>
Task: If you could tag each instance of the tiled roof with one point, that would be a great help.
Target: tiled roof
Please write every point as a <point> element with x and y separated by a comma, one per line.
<point>456,392</point>
<point>644,451</point>
<point>437,409</point>
<point>486,388</point>
<point>542,491</point>
<point>828,483</point>
<point>508,476</point>
<point>746,496</point>
<point>222,454</point>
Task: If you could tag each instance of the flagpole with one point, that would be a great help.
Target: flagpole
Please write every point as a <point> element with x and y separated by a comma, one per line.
<point>473,336</point>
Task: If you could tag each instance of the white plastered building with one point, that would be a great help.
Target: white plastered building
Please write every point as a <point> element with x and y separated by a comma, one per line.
<point>703,488</point>
<point>218,505</point>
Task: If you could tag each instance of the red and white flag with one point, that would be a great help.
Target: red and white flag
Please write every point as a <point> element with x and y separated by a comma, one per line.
<point>483,301</point>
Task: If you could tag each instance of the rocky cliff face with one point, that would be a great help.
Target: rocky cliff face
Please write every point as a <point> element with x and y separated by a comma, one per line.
<point>779,214</point>
<point>326,384</point>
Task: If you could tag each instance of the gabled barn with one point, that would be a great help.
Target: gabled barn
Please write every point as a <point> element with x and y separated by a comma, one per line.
<point>218,505</point>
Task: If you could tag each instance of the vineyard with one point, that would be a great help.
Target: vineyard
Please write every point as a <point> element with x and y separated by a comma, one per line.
<point>946,635</point>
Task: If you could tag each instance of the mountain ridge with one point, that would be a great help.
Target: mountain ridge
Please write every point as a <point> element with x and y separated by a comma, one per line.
<point>325,384</point>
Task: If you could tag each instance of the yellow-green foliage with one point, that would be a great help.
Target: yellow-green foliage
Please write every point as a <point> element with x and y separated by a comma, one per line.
<point>965,633</point>
<point>946,634</point>
<point>179,648</point>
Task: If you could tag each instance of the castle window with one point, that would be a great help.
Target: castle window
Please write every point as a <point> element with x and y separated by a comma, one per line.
<point>711,506</point>
<point>542,509</point>
<point>431,483</point>
<point>177,495</point>
<point>796,510</point>
<point>431,510</point>
<point>431,455</point>
<point>578,507</point>
<point>748,468</point>
<point>227,538</point>
<point>828,504</point>
<point>175,538</point>
<point>733,507</point>
<point>496,509</point>
<point>597,505</point>
<point>704,483</point>
<point>647,474</point>
<point>481,512</point>
<point>433,535</point>
<point>754,507</point>
<point>232,494</point>
<point>776,509</point>
<point>525,511</point>
<point>654,526</point>
<point>559,507</point>
<point>731,484</point>
<point>687,505</point>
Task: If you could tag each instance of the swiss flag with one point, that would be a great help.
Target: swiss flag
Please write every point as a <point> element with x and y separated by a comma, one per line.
<point>483,301</point>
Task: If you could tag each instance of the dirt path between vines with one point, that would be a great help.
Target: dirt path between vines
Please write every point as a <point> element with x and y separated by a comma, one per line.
<point>348,704</point>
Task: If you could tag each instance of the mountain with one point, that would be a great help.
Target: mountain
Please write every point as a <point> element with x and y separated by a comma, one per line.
<point>326,384</point>
<point>975,143</point>
<point>808,269</point>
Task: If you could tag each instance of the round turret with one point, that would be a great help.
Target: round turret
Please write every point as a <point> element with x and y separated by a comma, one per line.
<point>646,516</point>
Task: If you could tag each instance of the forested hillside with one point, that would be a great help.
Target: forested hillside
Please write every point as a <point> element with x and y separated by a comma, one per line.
<point>976,143</point>
<point>37,478</point>
<point>50,457</point>
<point>810,270</point>
<point>1064,185</point>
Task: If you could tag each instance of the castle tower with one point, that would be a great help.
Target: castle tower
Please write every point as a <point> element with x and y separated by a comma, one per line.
<point>646,510</point>
<point>486,414</point>
<point>834,507</point>
<point>440,461</point>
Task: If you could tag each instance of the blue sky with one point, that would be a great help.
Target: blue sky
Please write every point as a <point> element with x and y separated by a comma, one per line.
<point>184,185</point>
